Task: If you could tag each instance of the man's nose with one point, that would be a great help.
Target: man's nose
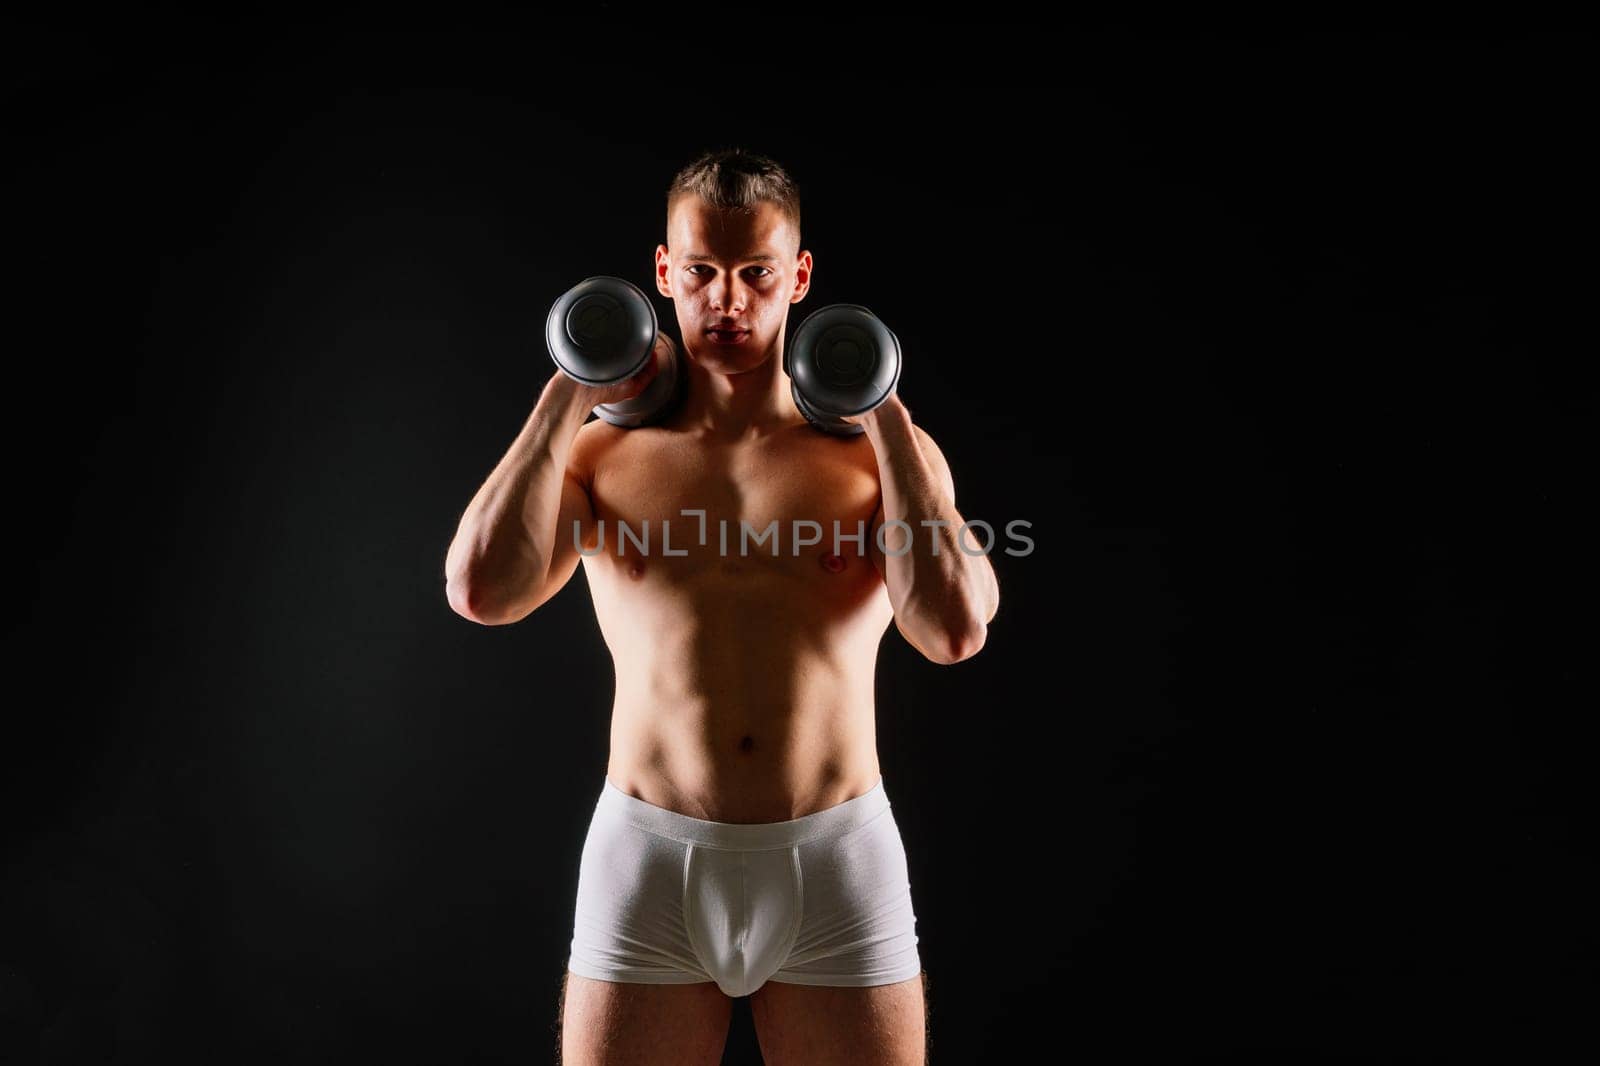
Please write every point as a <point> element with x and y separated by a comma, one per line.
<point>726,296</point>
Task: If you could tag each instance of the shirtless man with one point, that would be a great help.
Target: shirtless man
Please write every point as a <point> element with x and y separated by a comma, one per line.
<point>724,858</point>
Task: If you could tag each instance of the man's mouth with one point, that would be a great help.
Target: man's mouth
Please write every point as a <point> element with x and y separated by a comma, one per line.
<point>728,336</point>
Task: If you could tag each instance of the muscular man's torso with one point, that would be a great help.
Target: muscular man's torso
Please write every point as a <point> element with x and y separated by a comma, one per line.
<point>744,683</point>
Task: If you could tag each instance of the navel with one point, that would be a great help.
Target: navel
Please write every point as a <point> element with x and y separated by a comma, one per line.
<point>747,743</point>
<point>636,569</point>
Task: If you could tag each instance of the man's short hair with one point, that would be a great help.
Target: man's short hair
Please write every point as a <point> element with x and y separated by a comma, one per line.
<point>738,179</point>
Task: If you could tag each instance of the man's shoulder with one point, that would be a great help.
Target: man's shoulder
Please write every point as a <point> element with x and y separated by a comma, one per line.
<point>599,443</point>
<point>595,440</point>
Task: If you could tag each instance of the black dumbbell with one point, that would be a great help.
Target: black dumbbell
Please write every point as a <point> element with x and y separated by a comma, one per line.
<point>603,331</point>
<point>841,361</point>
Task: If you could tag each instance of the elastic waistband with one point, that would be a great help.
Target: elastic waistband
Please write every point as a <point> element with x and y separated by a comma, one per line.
<point>735,836</point>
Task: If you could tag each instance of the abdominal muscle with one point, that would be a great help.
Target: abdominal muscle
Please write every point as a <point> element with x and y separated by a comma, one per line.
<point>743,695</point>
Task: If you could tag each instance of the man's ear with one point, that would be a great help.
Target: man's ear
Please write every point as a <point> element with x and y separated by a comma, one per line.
<point>664,271</point>
<point>802,277</point>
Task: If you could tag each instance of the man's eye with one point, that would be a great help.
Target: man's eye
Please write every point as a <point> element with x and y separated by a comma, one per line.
<point>701,266</point>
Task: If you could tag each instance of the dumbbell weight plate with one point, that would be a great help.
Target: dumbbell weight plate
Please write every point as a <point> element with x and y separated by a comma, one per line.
<point>843,360</point>
<point>602,331</point>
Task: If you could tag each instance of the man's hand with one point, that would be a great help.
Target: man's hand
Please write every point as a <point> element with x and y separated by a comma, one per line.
<point>868,419</point>
<point>595,395</point>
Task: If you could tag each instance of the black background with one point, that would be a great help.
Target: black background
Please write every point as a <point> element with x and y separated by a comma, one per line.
<point>1274,751</point>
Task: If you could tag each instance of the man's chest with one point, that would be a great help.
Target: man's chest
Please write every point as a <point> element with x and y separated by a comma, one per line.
<point>782,499</point>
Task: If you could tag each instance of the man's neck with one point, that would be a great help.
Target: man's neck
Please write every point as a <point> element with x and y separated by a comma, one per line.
<point>736,406</point>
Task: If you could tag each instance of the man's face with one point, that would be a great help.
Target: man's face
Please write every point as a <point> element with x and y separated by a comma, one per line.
<point>731,271</point>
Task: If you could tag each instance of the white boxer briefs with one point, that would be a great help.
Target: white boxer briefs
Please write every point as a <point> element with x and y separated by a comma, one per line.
<point>664,898</point>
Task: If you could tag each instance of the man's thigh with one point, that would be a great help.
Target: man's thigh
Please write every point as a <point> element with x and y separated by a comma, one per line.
<point>610,1023</point>
<point>815,1025</point>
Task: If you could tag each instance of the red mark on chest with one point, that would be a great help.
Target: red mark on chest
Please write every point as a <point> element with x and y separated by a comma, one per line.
<point>636,570</point>
<point>833,563</point>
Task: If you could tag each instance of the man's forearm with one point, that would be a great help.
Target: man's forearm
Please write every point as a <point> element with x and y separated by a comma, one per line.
<point>506,537</point>
<point>944,595</point>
